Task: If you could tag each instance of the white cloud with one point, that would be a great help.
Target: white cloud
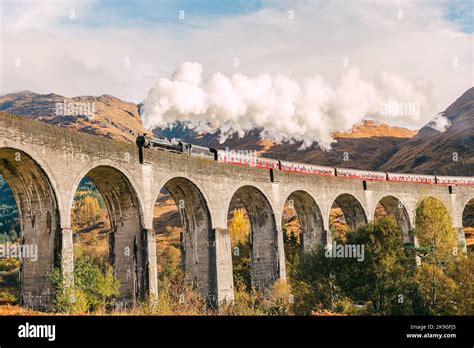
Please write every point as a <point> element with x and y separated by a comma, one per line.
<point>18,16</point>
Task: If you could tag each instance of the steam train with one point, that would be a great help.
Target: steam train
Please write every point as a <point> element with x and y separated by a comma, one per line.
<point>160,142</point>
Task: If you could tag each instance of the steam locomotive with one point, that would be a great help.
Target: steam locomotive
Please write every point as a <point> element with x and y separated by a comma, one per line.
<point>160,142</point>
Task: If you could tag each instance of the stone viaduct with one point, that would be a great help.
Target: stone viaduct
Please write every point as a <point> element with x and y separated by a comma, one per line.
<point>44,165</point>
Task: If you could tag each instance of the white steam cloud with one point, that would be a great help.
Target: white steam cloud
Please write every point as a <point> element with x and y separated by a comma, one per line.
<point>440,122</point>
<point>285,110</point>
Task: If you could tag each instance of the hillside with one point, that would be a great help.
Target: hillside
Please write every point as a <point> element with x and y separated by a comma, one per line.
<point>368,144</point>
<point>113,118</point>
<point>433,152</point>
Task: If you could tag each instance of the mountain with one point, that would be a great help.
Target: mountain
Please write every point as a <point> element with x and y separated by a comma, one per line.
<point>110,117</point>
<point>368,145</point>
<point>446,153</point>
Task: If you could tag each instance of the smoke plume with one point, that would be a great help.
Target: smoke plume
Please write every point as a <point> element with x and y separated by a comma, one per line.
<point>440,123</point>
<point>284,109</point>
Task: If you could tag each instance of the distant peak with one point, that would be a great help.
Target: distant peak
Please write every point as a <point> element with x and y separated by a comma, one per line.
<point>21,93</point>
<point>371,128</point>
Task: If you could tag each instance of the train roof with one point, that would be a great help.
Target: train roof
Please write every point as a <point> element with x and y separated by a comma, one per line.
<point>307,164</point>
<point>360,170</point>
<point>411,174</point>
<point>455,177</point>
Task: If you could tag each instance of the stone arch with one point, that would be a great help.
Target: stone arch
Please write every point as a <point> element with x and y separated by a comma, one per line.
<point>128,177</point>
<point>197,239</point>
<point>394,207</point>
<point>468,213</point>
<point>353,210</point>
<point>310,218</point>
<point>126,240</point>
<point>467,229</point>
<point>39,220</point>
<point>193,181</point>
<point>264,236</point>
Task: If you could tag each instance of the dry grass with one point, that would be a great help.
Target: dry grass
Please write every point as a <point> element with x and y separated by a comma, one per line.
<point>9,309</point>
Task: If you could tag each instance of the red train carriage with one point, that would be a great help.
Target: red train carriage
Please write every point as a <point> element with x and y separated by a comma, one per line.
<point>306,168</point>
<point>361,174</point>
<point>455,180</point>
<point>246,160</point>
<point>415,178</point>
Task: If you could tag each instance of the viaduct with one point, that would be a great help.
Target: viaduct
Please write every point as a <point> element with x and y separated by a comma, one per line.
<point>44,165</point>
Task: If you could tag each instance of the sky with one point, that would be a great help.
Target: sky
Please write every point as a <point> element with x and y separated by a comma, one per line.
<point>125,48</point>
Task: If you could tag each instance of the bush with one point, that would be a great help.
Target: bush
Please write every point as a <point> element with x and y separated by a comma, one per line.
<point>175,297</point>
<point>95,286</point>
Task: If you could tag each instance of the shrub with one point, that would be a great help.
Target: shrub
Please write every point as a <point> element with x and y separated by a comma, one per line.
<point>94,288</point>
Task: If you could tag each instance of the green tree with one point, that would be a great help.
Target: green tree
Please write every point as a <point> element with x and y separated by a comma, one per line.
<point>382,281</point>
<point>437,239</point>
<point>314,283</point>
<point>384,277</point>
<point>170,260</point>
<point>443,276</point>
<point>95,286</point>
<point>292,248</point>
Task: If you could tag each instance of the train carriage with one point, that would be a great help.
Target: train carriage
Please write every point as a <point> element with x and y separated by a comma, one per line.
<point>455,180</point>
<point>361,174</point>
<point>415,178</point>
<point>201,151</point>
<point>306,168</point>
<point>246,160</point>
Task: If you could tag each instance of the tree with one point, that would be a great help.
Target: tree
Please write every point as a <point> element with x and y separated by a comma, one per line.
<point>444,270</point>
<point>292,248</point>
<point>87,211</point>
<point>313,283</point>
<point>95,286</point>
<point>170,260</point>
<point>384,276</point>
<point>381,278</point>
<point>463,275</point>
<point>437,239</point>
<point>239,227</point>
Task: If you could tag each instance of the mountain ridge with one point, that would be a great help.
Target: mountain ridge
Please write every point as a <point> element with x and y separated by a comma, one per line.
<point>370,145</point>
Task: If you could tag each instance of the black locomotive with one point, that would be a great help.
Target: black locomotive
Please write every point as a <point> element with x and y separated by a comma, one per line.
<point>160,142</point>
